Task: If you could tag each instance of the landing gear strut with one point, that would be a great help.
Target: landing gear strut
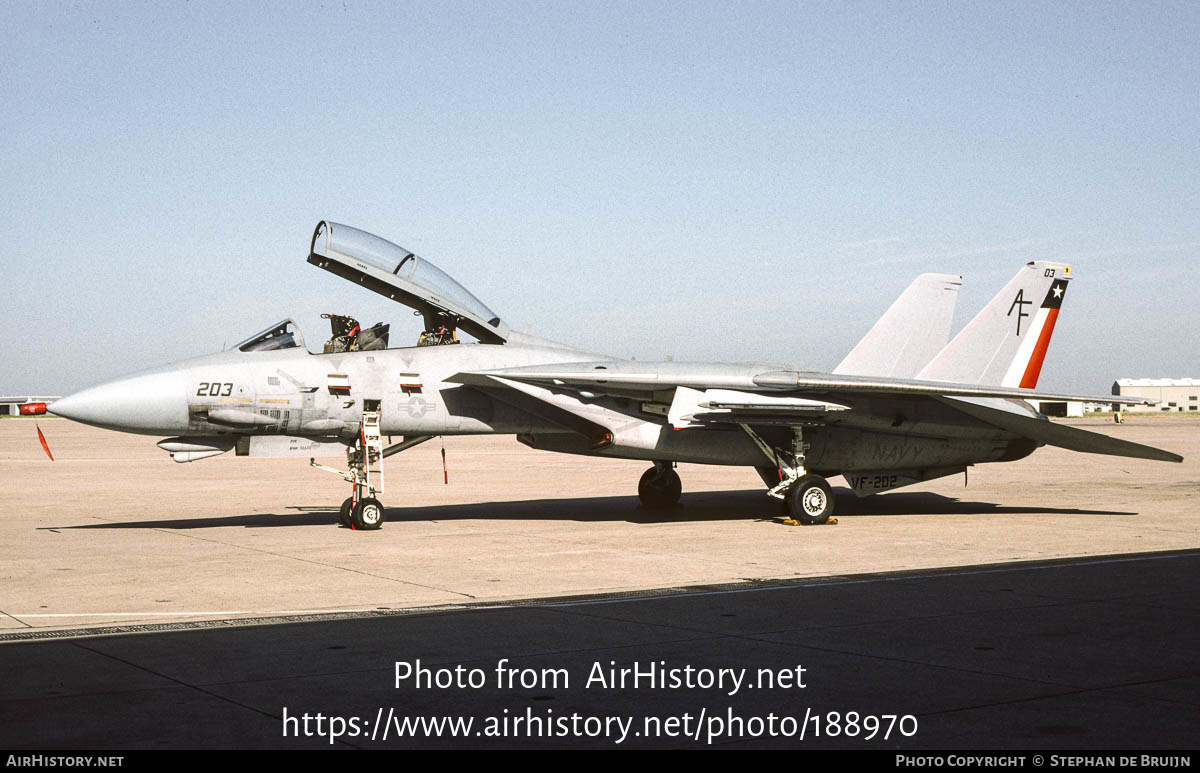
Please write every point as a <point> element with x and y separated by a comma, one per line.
<point>808,497</point>
<point>660,486</point>
<point>362,511</point>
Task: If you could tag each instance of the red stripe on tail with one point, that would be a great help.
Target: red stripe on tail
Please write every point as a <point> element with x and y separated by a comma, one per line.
<point>1034,368</point>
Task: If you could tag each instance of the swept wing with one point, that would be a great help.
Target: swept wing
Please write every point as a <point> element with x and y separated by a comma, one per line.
<point>750,394</point>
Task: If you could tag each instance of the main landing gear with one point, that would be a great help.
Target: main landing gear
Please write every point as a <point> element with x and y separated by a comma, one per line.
<point>810,500</point>
<point>660,486</point>
<point>807,497</point>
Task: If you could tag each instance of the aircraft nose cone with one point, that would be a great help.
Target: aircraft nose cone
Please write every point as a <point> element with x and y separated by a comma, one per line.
<point>153,402</point>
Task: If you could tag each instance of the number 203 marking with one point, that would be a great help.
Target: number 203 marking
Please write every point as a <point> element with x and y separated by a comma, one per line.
<point>215,389</point>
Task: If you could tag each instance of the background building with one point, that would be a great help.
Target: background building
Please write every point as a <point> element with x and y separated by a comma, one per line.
<point>1173,394</point>
<point>1060,408</point>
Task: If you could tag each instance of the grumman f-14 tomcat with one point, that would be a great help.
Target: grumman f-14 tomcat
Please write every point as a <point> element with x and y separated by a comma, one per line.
<point>907,404</point>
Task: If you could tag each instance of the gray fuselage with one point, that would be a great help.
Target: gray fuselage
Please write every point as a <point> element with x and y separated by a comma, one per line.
<point>292,392</point>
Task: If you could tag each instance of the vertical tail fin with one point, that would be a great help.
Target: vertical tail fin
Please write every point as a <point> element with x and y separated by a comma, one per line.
<point>1005,344</point>
<point>910,333</point>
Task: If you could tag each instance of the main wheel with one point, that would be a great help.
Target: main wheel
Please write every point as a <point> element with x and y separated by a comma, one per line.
<point>344,513</point>
<point>659,490</point>
<point>810,500</point>
<point>367,515</point>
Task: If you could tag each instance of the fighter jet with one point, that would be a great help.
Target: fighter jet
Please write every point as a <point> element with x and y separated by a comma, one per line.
<point>907,404</point>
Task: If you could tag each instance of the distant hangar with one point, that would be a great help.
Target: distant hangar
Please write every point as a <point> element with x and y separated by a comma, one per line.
<point>1180,395</point>
<point>1172,394</point>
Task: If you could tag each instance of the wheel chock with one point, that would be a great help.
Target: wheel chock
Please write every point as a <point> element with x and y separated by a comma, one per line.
<point>794,522</point>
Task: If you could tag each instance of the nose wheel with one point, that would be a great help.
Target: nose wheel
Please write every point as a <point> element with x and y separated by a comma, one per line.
<point>367,515</point>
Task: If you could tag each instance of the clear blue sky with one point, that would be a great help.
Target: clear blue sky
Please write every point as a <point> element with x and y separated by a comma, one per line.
<point>708,181</point>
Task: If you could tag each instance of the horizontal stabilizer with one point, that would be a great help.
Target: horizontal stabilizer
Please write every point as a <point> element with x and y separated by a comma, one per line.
<point>1049,433</point>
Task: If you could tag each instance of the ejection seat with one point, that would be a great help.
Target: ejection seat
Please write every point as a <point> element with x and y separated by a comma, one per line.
<point>347,336</point>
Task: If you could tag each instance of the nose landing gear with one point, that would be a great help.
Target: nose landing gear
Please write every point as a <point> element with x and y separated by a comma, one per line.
<point>362,511</point>
<point>366,515</point>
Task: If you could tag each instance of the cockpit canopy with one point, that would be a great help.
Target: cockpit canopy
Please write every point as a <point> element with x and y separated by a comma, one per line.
<point>281,335</point>
<point>391,270</point>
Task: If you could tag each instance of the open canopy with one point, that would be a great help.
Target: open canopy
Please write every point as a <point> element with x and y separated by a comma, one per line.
<point>391,270</point>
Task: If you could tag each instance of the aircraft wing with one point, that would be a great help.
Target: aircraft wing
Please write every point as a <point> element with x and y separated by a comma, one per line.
<point>634,377</point>
<point>763,394</point>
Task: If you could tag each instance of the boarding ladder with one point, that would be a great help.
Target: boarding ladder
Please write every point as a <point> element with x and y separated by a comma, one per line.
<point>370,446</point>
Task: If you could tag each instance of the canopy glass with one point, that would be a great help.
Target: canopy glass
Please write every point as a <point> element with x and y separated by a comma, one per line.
<point>281,335</point>
<point>343,241</point>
